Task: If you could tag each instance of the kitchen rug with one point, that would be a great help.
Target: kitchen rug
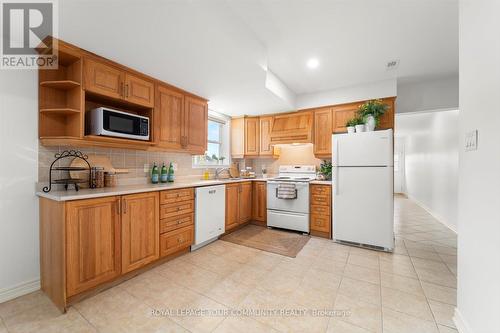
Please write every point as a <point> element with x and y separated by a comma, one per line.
<point>286,243</point>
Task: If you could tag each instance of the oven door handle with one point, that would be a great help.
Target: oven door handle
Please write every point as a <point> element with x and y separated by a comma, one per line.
<point>296,195</point>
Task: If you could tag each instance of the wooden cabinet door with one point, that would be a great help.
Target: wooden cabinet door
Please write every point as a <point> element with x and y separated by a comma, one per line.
<point>139,90</point>
<point>323,132</point>
<point>232,206</point>
<point>103,79</point>
<point>293,127</point>
<point>259,202</point>
<point>245,202</point>
<point>387,120</point>
<point>93,246</point>
<point>265,148</point>
<point>195,125</point>
<point>169,112</point>
<point>341,114</point>
<point>140,230</point>
<point>252,136</point>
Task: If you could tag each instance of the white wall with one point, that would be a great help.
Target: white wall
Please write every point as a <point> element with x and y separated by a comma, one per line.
<point>438,93</point>
<point>19,256</point>
<point>431,142</point>
<point>379,89</point>
<point>478,308</point>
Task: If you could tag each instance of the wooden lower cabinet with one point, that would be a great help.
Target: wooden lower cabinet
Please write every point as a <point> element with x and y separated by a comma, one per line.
<point>320,223</point>
<point>238,204</point>
<point>176,240</point>
<point>140,230</point>
<point>93,244</point>
<point>259,202</point>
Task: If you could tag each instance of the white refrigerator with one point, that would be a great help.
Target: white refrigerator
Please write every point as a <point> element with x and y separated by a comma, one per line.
<point>362,180</point>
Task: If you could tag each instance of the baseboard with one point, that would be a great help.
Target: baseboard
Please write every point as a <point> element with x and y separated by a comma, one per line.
<point>438,217</point>
<point>460,323</point>
<point>21,289</point>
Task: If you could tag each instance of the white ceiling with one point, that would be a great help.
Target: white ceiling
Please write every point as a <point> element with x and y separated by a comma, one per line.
<point>218,49</point>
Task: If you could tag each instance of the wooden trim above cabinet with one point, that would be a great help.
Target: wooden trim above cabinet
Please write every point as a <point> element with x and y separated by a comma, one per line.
<point>293,127</point>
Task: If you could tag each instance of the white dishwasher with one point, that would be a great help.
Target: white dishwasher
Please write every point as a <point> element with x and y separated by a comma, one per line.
<point>210,214</point>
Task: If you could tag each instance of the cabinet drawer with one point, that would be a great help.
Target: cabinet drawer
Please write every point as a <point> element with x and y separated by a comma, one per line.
<point>320,199</point>
<point>176,240</point>
<point>176,209</point>
<point>321,189</point>
<point>320,210</point>
<point>176,195</point>
<point>176,222</point>
<point>320,223</point>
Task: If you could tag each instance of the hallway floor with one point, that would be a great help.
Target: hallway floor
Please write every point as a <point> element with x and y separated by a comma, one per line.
<point>216,287</point>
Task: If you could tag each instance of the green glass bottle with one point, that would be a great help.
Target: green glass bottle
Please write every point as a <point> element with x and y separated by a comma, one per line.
<point>155,174</point>
<point>164,174</point>
<point>171,172</point>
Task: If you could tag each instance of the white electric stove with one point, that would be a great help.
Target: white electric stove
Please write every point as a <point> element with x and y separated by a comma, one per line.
<point>291,212</point>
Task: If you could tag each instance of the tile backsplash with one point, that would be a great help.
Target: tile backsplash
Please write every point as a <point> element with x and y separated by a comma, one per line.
<point>133,160</point>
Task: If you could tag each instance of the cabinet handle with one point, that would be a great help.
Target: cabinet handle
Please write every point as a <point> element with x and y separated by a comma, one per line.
<point>118,206</point>
<point>179,222</point>
<point>124,206</point>
<point>126,91</point>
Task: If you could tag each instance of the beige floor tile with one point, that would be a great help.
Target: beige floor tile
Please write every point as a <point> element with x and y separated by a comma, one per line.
<point>213,315</point>
<point>360,290</point>
<point>410,304</point>
<point>321,279</point>
<point>363,252</point>
<point>397,322</point>
<point>440,293</point>
<point>229,292</point>
<point>23,303</point>
<point>429,255</point>
<point>362,314</point>
<point>41,312</point>
<point>452,268</point>
<point>338,326</point>
<point>331,265</point>
<point>402,283</point>
<point>362,273</point>
<point>241,254</point>
<point>249,274</point>
<point>443,313</point>
<point>191,276</point>
<point>243,325</point>
<point>445,250</point>
<point>265,260</point>
<point>3,329</point>
<point>446,329</point>
<point>211,262</point>
<point>446,279</point>
<point>365,261</point>
<point>314,297</point>
<point>280,283</point>
<point>398,268</point>
<point>72,321</point>
<point>437,266</point>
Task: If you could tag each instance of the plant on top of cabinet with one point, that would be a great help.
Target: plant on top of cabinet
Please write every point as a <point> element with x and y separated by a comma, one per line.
<point>371,111</point>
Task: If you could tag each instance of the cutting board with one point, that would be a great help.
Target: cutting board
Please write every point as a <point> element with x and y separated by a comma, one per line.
<point>94,161</point>
<point>233,171</point>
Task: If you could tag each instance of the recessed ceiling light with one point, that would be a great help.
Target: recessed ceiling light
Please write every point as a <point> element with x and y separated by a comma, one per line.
<point>313,63</point>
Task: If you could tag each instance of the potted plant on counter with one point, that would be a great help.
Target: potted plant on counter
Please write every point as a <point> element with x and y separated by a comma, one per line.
<point>326,169</point>
<point>350,125</point>
<point>371,112</point>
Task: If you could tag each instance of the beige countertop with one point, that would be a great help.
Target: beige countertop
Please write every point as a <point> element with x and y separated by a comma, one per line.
<point>62,195</point>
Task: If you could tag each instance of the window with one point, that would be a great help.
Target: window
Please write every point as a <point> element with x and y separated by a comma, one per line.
<point>217,153</point>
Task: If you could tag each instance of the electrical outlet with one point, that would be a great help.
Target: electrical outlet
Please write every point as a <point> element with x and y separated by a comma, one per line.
<point>175,166</point>
<point>146,167</point>
<point>471,140</point>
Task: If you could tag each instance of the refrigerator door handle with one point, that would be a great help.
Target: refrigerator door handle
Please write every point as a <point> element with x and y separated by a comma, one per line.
<point>335,184</point>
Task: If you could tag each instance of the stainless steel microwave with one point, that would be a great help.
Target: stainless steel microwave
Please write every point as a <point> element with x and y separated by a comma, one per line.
<point>109,122</point>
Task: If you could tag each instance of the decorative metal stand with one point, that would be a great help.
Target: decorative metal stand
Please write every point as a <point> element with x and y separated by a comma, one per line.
<point>67,181</point>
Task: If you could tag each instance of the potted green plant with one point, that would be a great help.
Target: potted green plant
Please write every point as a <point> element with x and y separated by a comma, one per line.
<point>359,124</point>
<point>221,159</point>
<point>325,169</point>
<point>371,112</point>
<point>350,125</point>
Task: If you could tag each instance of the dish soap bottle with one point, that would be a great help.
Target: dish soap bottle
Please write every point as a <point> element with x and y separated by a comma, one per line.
<point>164,174</point>
<point>155,174</point>
<point>171,172</point>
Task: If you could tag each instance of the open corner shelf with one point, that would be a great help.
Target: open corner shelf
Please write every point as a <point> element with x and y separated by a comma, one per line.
<point>60,84</point>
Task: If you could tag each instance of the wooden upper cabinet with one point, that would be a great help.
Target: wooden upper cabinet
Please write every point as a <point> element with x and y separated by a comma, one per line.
<point>292,128</point>
<point>140,230</point>
<point>245,202</point>
<point>252,136</point>
<point>265,148</point>
<point>93,243</point>
<point>103,79</point>
<point>323,132</point>
<point>341,114</point>
<point>238,137</point>
<point>259,201</point>
<point>232,206</point>
<point>195,125</point>
<point>387,120</point>
<point>169,118</point>
<point>139,90</point>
